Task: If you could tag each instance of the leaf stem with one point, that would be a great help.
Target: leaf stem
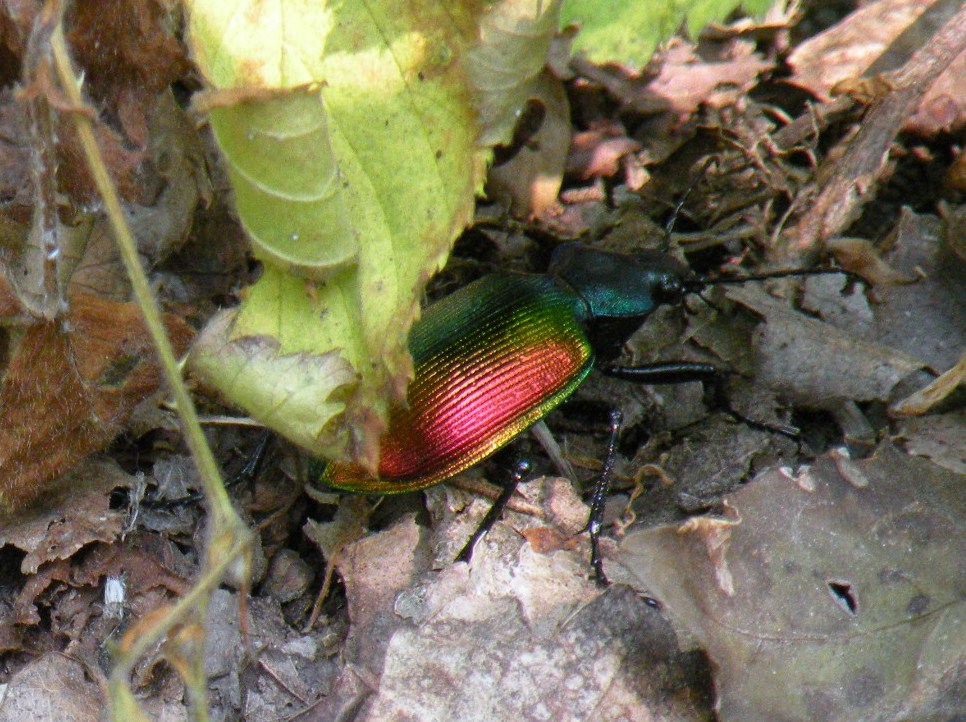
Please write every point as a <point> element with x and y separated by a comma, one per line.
<point>229,539</point>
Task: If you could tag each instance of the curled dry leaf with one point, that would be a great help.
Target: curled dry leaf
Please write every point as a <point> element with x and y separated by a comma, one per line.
<point>859,255</point>
<point>507,61</point>
<point>925,398</point>
<point>529,182</point>
<point>687,81</point>
<point>715,533</point>
<point>71,544</point>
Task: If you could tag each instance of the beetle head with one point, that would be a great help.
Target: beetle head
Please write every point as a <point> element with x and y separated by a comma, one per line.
<point>616,285</point>
<point>670,284</point>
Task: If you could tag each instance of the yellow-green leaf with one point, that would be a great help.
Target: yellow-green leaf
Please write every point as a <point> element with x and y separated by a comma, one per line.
<point>627,32</point>
<point>354,184</point>
<point>253,44</point>
<point>297,393</point>
<point>286,180</point>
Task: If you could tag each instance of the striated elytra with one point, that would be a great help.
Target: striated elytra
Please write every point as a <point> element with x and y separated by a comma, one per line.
<point>499,354</point>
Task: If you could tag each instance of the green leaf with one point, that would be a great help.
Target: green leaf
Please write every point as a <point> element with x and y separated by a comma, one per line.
<point>286,181</point>
<point>350,138</point>
<point>628,32</point>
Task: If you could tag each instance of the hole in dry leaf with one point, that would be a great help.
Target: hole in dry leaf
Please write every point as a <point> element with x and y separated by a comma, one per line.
<point>844,596</point>
<point>11,560</point>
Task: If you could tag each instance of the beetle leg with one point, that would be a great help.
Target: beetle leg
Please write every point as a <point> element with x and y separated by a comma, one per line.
<point>247,474</point>
<point>673,372</point>
<point>253,467</point>
<point>676,372</point>
<point>542,434</point>
<point>523,468</point>
<point>599,499</point>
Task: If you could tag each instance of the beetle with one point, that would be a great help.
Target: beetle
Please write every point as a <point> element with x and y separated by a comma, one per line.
<point>496,356</point>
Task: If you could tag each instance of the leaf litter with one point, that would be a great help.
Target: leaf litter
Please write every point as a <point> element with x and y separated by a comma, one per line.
<point>851,594</point>
<point>841,575</point>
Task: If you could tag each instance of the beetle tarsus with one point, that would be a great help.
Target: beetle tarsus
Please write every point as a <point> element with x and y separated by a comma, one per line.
<point>599,499</point>
<point>723,402</point>
<point>523,468</point>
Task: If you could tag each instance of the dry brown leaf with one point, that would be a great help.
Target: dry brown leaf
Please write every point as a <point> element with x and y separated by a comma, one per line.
<point>860,256</point>
<point>129,54</point>
<point>375,570</point>
<point>161,223</point>
<point>596,153</point>
<point>941,438</point>
<point>817,364</point>
<point>687,80</point>
<point>15,180</point>
<point>846,596</point>
<point>925,398</point>
<point>715,533</point>
<point>81,515</point>
<point>928,318</point>
<point>68,389</point>
<point>545,540</point>
<point>54,686</point>
<point>878,38</point>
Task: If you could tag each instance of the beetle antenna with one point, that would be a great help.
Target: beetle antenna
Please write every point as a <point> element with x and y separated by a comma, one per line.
<point>698,284</point>
<point>672,221</point>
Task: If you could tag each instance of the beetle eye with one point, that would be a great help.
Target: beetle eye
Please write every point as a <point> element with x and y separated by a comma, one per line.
<point>669,289</point>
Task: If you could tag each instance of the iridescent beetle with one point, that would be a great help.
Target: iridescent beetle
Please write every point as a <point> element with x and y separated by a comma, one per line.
<point>496,356</point>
